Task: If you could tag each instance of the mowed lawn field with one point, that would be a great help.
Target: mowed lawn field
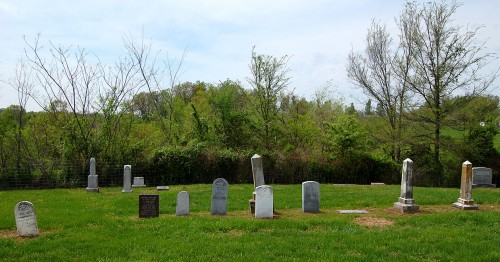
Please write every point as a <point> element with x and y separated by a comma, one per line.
<point>79,226</point>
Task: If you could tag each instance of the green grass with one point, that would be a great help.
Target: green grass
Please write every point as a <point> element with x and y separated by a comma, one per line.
<point>80,226</point>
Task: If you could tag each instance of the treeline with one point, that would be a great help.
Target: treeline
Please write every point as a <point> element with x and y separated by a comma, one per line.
<point>137,112</point>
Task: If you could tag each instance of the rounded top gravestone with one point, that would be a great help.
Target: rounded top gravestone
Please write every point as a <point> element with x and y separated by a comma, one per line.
<point>26,219</point>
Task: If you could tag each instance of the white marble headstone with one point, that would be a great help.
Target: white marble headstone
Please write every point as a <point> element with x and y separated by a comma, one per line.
<point>182,204</point>
<point>257,171</point>
<point>264,202</point>
<point>26,222</point>
<point>310,197</point>
<point>139,182</point>
<point>127,179</point>
<point>92,181</point>
<point>219,197</point>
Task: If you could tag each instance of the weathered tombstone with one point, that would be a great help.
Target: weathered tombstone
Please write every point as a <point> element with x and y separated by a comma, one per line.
<point>26,219</point>
<point>356,211</point>
<point>264,202</point>
<point>127,179</point>
<point>219,197</point>
<point>139,182</point>
<point>482,177</point>
<point>182,204</point>
<point>465,202</point>
<point>257,171</point>
<point>310,197</point>
<point>162,188</point>
<point>406,204</point>
<point>149,206</point>
<point>92,182</point>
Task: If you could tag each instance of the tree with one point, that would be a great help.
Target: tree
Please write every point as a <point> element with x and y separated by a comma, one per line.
<point>269,78</point>
<point>368,108</point>
<point>446,59</point>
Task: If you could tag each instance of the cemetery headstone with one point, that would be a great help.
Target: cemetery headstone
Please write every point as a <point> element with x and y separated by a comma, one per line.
<point>257,171</point>
<point>482,177</point>
<point>162,188</point>
<point>219,197</point>
<point>264,202</point>
<point>139,182</point>
<point>127,179</point>
<point>406,204</point>
<point>310,197</point>
<point>92,182</point>
<point>182,204</point>
<point>26,222</point>
<point>465,201</point>
<point>353,212</point>
<point>149,206</point>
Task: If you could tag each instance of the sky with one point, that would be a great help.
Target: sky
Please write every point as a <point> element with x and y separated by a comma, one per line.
<point>218,35</point>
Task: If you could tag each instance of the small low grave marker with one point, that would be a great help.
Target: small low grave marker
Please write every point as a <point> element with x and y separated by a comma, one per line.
<point>406,204</point>
<point>149,206</point>
<point>219,197</point>
<point>465,201</point>
<point>482,177</point>
<point>92,182</point>
<point>264,202</point>
<point>182,204</point>
<point>127,179</point>
<point>353,212</point>
<point>26,222</point>
<point>310,197</point>
<point>138,182</point>
<point>162,188</point>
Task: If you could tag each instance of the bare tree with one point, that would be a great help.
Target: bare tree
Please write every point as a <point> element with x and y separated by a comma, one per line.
<point>269,78</point>
<point>159,78</point>
<point>447,60</point>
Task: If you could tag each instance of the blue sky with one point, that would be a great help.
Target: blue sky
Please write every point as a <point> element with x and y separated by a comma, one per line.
<point>219,35</point>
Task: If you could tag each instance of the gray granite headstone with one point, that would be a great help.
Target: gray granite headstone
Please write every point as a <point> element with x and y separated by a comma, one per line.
<point>138,182</point>
<point>92,182</point>
<point>264,202</point>
<point>405,203</point>
<point>149,206</point>
<point>26,222</point>
<point>257,171</point>
<point>482,177</point>
<point>310,197</point>
<point>219,197</point>
<point>465,201</point>
<point>162,188</point>
<point>182,204</point>
<point>127,179</point>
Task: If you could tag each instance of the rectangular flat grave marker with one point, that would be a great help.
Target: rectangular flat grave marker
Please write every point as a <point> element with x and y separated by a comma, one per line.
<point>162,188</point>
<point>219,197</point>
<point>149,206</point>
<point>182,204</point>
<point>353,212</point>
<point>26,222</point>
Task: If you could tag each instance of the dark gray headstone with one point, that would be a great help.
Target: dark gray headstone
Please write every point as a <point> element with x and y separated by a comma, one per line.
<point>127,179</point>
<point>182,204</point>
<point>310,197</point>
<point>26,222</point>
<point>264,202</point>
<point>482,177</point>
<point>149,206</point>
<point>219,197</point>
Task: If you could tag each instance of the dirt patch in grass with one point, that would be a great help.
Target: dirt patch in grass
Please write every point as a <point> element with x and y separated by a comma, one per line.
<point>12,234</point>
<point>371,222</point>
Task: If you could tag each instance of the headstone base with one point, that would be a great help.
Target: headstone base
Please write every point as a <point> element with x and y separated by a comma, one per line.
<point>406,208</point>
<point>251,202</point>
<point>465,206</point>
<point>126,191</point>
<point>93,190</point>
<point>484,185</point>
<point>138,185</point>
